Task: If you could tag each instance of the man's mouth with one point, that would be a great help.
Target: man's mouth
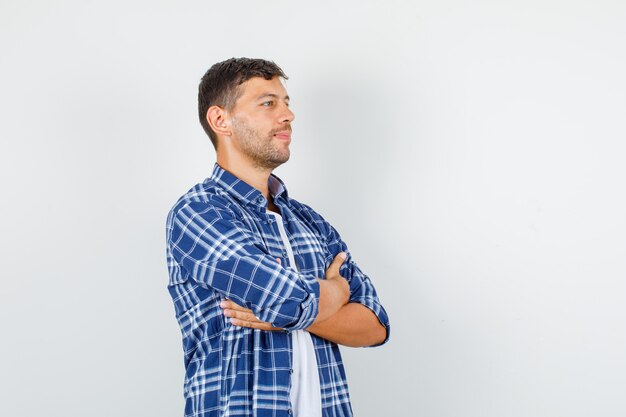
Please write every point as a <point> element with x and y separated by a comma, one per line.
<point>283,134</point>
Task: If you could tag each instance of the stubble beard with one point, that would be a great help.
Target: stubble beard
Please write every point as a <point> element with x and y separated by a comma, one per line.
<point>260,149</point>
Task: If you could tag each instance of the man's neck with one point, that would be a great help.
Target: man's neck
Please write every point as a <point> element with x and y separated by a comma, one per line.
<point>255,176</point>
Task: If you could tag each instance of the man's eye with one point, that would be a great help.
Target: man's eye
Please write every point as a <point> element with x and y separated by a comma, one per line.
<point>268,103</point>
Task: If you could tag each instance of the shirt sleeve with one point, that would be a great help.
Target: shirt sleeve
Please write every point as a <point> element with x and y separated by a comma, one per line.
<point>216,250</point>
<point>362,289</point>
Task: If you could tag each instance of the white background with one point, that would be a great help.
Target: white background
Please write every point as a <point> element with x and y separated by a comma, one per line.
<point>470,153</point>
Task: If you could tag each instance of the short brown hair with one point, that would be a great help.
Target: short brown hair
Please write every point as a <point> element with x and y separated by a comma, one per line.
<point>219,85</point>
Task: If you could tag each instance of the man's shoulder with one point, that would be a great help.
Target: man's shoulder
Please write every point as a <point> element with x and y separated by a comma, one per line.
<point>204,194</point>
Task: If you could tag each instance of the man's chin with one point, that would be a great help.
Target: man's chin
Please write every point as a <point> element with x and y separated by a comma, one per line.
<point>281,159</point>
<point>277,163</point>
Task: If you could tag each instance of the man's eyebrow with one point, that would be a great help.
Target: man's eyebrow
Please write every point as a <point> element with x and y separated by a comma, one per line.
<point>271,95</point>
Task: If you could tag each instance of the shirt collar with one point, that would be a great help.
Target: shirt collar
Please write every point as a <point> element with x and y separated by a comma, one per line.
<point>244,191</point>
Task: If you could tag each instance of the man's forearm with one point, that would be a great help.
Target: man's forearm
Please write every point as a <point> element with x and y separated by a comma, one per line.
<point>352,325</point>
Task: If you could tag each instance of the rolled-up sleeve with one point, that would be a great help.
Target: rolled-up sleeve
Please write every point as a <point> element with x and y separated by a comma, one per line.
<point>217,251</point>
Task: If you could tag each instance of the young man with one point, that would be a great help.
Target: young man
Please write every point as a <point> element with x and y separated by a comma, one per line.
<point>263,287</point>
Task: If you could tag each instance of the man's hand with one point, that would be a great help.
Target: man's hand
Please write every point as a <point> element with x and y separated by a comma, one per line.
<point>332,274</point>
<point>334,290</point>
<point>243,317</point>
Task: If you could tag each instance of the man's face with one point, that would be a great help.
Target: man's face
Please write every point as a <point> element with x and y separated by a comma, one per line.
<point>261,122</point>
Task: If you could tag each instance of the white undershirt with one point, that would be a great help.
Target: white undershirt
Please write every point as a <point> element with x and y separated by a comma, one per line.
<point>305,394</point>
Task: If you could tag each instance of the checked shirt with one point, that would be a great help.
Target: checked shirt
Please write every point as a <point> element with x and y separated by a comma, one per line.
<point>222,243</point>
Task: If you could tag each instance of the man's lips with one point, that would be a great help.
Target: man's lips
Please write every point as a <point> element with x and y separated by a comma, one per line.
<point>283,134</point>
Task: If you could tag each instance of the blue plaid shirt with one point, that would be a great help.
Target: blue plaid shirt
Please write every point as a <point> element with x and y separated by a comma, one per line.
<point>222,243</point>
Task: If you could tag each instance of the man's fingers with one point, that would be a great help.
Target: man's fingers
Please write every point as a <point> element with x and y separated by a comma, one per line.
<point>333,268</point>
<point>231,305</point>
<point>254,324</point>
<point>242,315</point>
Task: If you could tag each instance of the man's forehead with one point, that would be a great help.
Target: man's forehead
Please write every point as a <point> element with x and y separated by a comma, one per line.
<point>259,87</point>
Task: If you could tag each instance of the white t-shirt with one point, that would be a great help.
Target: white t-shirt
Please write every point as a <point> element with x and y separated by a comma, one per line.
<point>305,394</point>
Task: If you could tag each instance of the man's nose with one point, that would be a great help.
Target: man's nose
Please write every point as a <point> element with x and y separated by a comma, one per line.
<point>287,115</point>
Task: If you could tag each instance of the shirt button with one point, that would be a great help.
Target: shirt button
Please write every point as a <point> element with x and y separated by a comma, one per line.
<point>291,371</point>
<point>260,199</point>
<point>289,411</point>
<point>284,253</point>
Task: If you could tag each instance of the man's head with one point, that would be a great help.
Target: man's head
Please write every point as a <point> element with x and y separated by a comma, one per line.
<point>221,86</point>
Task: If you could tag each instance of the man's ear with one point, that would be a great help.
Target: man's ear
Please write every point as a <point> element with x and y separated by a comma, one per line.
<point>218,119</point>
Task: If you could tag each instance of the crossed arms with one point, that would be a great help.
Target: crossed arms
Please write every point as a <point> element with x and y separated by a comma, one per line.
<point>341,322</point>
<point>216,250</point>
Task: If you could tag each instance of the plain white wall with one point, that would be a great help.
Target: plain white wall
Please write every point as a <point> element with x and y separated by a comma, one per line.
<point>470,153</point>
